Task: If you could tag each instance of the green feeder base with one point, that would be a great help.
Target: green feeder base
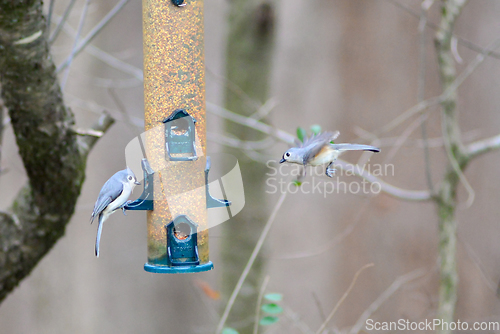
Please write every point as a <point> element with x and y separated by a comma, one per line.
<point>178,269</point>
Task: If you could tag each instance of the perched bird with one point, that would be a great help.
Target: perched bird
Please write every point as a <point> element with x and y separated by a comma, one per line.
<point>113,196</point>
<point>318,150</point>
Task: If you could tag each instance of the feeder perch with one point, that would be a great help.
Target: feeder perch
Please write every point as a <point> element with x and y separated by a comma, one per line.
<point>213,202</point>
<point>145,201</point>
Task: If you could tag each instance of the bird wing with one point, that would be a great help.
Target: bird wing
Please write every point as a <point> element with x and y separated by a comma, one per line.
<point>315,143</point>
<point>109,192</point>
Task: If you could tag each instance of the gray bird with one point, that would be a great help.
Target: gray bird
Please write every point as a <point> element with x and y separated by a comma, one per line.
<point>113,196</point>
<point>318,150</point>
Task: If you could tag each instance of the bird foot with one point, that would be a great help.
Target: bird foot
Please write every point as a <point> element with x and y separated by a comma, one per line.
<point>330,172</point>
<point>124,205</point>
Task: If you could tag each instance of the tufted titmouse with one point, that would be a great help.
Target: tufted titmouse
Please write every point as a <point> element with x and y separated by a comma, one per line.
<point>317,150</point>
<point>114,195</point>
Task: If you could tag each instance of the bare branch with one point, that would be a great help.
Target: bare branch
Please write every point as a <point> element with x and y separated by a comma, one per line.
<point>77,37</point>
<point>49,16</point>
<point>398,282</point>
<point>414,110</point>
<point>265,109</point>
<point>250,262</point>
<point>406,134</point>
<point>259,302</point>
<point>96,108</point>
<point>482,146</point>
<point>101,126</point>
<point>339,237</point>
<point>344,296</point>
<point>468,44</point>
<point>296,321</point>
<point>61,22</point>
<point>102,55</point>
<point>90,36</point>
<point>435,142</point>
<point>251,123</point>
<point>408,195</point>
<point>241,144</point>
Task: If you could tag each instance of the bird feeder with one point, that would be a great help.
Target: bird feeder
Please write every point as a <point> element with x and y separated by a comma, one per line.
<point>176,195</point>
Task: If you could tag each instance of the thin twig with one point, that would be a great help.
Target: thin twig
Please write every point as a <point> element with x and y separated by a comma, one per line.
<point>115,62</point>
<point>241,144</point>
<point>472,67</point>
<point>296,321</point>
<point>259,302</point>
<point>88,132</point>
<point>75,101</point>
<point>103,56</point>
<point>102,125</point>
<point>319,306</point>
<point>123,110</point>
<point>73,50</point>
<point>90,36</point>
<point>250,262</point>
<point>482,146</point>
<point>49,16</point>
<point>405,135</point>
<point>264,109</point>
<point>250,122</point>
<point>456,166</point>
<point>335,241</point>
<point>476,259</point>
<point>235,89</point>
<point>468,44</point>
<point>344,296</point>
<point>434,142</point>
<point>398,282</point>
<point>61,22</point>
<point>409,195</point>
<point>420,107</point>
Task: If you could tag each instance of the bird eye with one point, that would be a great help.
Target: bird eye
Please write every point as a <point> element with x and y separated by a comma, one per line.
<point>287,154</point>
<point>130,178</point>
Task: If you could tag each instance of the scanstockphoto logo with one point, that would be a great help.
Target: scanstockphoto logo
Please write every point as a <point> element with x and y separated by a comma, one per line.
<point>223,182</point>
<point>316,182</point>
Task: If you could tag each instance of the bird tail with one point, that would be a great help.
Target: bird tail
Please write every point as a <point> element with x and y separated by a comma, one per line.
<point>99,231</point>
<point>355,147</point>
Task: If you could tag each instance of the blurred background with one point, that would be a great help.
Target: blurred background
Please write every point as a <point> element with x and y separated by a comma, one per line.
<point>347,65</point>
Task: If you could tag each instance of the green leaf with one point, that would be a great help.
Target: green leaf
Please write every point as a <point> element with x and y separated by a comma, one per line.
<point>272,308</point>
<point>266,321</point>
<point>275,297</point>
<point>228,330</point>
<point>301,134</point>
<point>316,129</point>
<point>296,183</point>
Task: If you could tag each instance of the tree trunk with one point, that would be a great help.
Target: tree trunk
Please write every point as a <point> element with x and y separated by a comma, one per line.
<point>53,156</point>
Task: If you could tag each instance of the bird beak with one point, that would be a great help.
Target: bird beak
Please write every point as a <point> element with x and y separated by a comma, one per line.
<point>282,160</point>
<point>137,182</point>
